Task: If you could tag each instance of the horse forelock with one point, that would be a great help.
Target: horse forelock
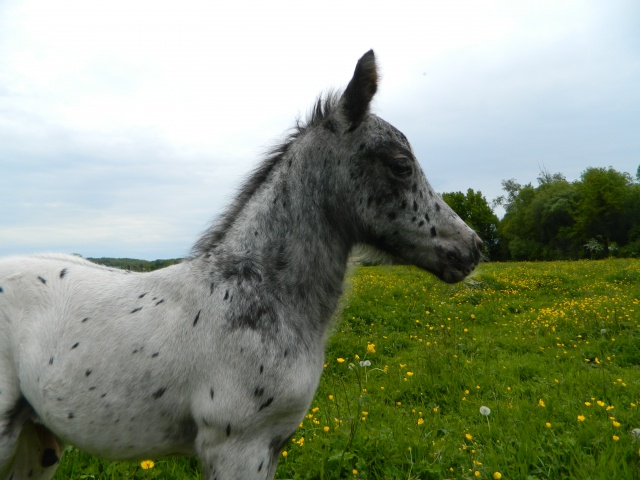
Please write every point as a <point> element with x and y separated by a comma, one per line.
<point>319,114</point>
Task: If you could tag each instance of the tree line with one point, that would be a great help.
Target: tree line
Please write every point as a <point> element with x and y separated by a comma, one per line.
<point>594,217</point>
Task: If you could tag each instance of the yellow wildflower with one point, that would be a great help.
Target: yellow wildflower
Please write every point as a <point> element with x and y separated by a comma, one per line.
<point>147,464</point>
<point>581,418</point>
<point>615,438</point>
<point>541,403</point>
<point>340,360</point>
<point>469,436</point>
<point>497,475</point>
<point>420,421</point>
<point>548,425</point>
<point>371,347</point>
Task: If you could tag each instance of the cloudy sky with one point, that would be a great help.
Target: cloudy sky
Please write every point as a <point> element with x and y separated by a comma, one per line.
<point>125,125</point>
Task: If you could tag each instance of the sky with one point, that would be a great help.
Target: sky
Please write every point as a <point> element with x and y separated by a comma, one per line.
<point>127,125</point>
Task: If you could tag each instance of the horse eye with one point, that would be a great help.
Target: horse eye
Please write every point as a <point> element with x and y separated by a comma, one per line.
<point>401,169</point>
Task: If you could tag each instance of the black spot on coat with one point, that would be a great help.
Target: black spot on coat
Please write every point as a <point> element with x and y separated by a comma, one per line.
<point>44,282</point>
<point>195,321</point>
<point>266,404</point>
<point>158,393</point>
<point>136,310</point>
<point>63,272</point>
<point>75,345</point>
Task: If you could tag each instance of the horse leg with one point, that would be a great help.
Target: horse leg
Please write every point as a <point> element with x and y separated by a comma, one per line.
<point>242,458</point>
<point>27,450</point>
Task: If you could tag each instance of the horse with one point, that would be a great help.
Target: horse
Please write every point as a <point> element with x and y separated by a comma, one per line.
<point>220,355</point>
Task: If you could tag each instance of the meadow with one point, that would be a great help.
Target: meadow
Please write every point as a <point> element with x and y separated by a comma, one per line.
<point>524,371</point>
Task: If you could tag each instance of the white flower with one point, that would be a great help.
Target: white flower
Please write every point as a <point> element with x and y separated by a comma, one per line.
<point>485,411</point>
<point>636,432</point>
<point>365,363</point>
<point>603,331</point>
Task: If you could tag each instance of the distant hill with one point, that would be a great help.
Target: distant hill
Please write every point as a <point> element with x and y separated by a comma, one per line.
<point>135,265</point>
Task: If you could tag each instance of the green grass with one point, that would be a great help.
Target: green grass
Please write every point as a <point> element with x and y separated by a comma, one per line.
<point>540,344</point>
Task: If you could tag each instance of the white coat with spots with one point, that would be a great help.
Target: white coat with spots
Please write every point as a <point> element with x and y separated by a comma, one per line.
<point>220,355</point>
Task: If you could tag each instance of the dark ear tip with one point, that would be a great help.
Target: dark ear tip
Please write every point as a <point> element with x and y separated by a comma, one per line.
<point>367,64</point>
<point>361,89</point>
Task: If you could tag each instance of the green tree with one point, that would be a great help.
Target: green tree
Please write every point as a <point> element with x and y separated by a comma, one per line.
<point>602,210</point>
<point>538,220</point>
<point>474,209</point>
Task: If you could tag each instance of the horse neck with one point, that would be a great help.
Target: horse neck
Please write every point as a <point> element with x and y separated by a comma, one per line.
<point>293,241</point>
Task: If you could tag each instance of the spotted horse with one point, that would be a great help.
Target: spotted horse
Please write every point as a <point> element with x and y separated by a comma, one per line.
<point>218,356</point>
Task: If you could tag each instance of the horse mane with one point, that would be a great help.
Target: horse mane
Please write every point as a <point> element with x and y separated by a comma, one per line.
<point>319,113</point>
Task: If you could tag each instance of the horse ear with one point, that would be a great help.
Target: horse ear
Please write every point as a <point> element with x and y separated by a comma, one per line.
<point>361,89</point>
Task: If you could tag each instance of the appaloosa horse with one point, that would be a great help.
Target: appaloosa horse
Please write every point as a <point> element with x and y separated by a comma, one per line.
<point>220,355</point>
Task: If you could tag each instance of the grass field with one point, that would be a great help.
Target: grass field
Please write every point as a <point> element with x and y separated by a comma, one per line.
<point>549,352</point>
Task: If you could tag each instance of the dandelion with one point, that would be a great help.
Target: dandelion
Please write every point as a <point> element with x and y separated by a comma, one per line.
<point>548,425</point>
<point>588,404</point>
<point>636,432</point>
<point>354,471</point>
<point>147,464</point>
<point>409,374</point>
<point>340,360</point>
<point>468,436</point>
<point>326,429</point>
<point>371,347</point>
<point>284,453</point>
<point>365,363</point>
<point>330,397</point>
<point>615,424</point>
<point>600,402</point>
<point>420,421</point>
<point>486,411</point>
<point>581,418</point>
<point>476,473</point>
<point>615,438</point>
<point>497,475</point>
<point>541,403</point>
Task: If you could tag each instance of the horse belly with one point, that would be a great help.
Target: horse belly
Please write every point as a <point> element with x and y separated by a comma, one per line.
<point>115,423</point>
